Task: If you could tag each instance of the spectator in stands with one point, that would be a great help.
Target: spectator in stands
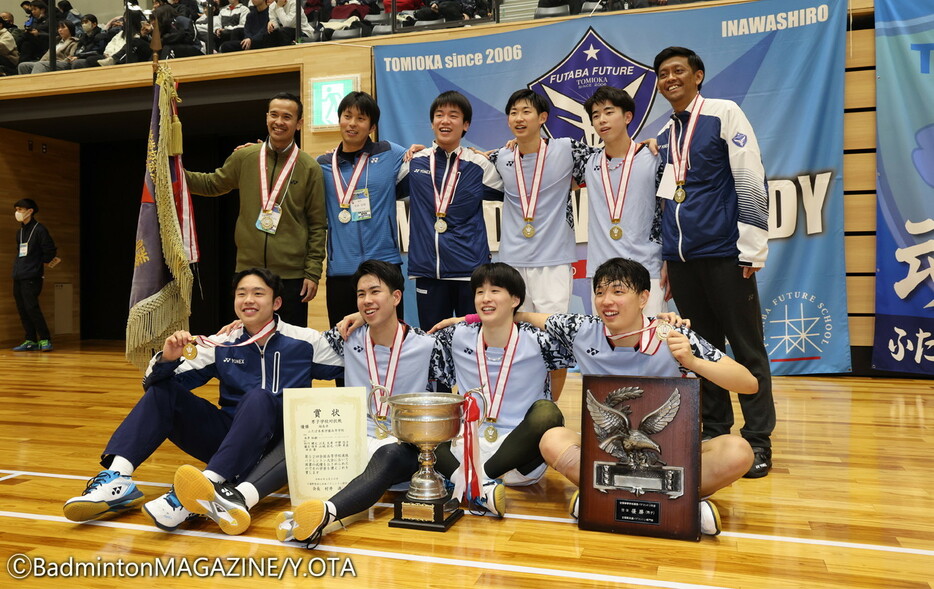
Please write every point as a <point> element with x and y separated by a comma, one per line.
<point>26,5</point>
<point>68,12</point>
<point>36,38</point>
<point>115,50</point>
<point>9,53</point>
<point>254,34</point>
<point>65,48</point>
<point>91,39</point>
<point>187,8</point>
<point>11,27</point>
<point>228,19</point>
<point>281,26</point>
<point>178,34</point>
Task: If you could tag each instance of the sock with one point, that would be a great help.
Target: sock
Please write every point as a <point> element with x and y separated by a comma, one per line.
<point>213,476</point>
<point>122,465</point>
<point>250,494</point>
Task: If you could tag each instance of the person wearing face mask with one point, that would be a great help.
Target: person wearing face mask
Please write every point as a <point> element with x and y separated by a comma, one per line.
<point>91,39</point>
<point>34,248</point>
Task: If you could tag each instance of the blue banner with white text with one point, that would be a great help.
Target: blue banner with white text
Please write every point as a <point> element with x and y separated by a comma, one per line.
<point>782,61</point>
<point>904,329</point>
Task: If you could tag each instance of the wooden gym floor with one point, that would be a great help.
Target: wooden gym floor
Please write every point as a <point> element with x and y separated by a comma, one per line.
<point>848,504</point>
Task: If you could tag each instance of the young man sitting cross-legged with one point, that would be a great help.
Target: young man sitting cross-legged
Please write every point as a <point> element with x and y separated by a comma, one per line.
<point>253,364</point>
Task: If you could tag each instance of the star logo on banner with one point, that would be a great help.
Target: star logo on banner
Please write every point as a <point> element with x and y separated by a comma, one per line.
<point>592,63</point>
<point>800,332</point>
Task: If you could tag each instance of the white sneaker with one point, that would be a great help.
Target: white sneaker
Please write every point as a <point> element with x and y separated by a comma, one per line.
<point>166,512</point>
<point>574,504</point>
<point>108,492</point>
<point>494,498</point>
<point>709,518</point>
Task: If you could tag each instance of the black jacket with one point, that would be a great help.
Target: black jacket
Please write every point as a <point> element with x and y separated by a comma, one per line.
<point>41,249</point>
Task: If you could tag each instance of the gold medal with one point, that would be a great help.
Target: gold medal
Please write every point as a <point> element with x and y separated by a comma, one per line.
<point>490,434</point>
<point>680,194</point>
<point>441,225</point>
<point>265,220</point>
<point>190,351</point>
<point>615,232</point>
<point>528,231</point>
<point>381,434</point>
<point>344,216</point>
<point>662,330</point>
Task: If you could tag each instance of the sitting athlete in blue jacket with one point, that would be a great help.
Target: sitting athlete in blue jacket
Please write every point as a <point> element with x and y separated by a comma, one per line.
<point>254,364</point>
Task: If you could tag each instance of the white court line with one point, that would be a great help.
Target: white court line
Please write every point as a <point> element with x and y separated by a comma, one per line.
<point>788,539</point>
<point>15,473</point>
<point>564,574</point>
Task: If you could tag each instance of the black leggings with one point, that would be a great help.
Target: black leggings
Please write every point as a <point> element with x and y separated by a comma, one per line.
<point>396,463</point>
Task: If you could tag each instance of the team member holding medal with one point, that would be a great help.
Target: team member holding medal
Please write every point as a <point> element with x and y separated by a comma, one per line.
<point>538,229</point>
<point>715,237</point>
<point>624,212</point>
<point>447,184</point>
<point>253,364</point>
<point>282,222</point>
<point>385,352</point>
<point>360,194</point>
<point>512,362</point>
<point>622,340</point>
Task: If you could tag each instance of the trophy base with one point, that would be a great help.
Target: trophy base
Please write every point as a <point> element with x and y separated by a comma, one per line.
<point>434,516</point>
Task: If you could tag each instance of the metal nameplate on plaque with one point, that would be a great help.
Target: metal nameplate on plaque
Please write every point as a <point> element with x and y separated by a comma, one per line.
<point>640,456</point>
<point>642,512</point>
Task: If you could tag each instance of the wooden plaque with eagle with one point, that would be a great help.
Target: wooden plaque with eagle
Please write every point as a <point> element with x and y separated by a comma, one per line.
<point>640,456</point>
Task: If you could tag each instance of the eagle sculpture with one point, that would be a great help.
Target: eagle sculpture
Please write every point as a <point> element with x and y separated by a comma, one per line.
<point>615,434</point>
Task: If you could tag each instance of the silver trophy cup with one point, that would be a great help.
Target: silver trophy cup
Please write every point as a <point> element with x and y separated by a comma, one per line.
<point>425,420</point>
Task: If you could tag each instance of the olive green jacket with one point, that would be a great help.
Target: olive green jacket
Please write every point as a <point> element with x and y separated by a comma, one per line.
<point>296,250</point>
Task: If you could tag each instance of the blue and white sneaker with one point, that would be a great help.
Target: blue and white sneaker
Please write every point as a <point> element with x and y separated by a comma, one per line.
<point>493,500</point>
<point>27,346</point>
<point>167,512</point>
<point>108,492</point>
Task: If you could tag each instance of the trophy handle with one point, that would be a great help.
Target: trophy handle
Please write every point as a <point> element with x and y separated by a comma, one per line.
<point>371,405</point>
<point>479,393</point>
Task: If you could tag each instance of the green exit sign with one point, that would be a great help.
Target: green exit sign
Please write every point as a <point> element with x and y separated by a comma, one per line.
<point>326,95</point>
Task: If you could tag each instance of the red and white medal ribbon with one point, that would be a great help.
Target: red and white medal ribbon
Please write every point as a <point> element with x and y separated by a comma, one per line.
<point>444,197</point>
<point>265,330</point>
<point>382,409</point>
<point>648,343</point>
<point>528,201</point>
<point>345,195</point>
<point>268,198</point>
<point>468,478</point>
<point>615,199</point>
<point>680,154</point>
<point>496,394</point>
